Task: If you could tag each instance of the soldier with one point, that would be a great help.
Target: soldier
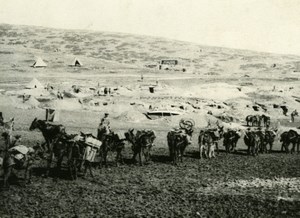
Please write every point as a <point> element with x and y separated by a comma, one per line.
<point>104,126</point>
<point>293,114</point>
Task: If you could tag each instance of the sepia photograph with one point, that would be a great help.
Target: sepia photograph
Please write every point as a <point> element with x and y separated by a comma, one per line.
<point>150,108</point>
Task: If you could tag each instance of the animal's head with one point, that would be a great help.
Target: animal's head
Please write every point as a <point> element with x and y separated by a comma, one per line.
<point>129,135</point>
<point>34,124</point>
<point>5,135</point>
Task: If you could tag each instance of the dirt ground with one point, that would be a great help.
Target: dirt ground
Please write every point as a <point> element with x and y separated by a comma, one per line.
<point>225,82</point>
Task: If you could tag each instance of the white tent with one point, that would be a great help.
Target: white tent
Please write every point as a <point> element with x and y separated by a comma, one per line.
<point>34,84</point>
<point>76,63</point>
<point>39,63</point>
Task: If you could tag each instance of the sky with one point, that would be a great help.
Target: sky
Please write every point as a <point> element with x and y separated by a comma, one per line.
<point>261,25</point>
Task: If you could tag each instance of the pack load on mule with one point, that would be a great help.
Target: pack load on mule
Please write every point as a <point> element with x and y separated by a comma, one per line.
<point>214,130</point>
<point>142,142</point>
<point>92,145</point>
<point>19,154</point>
<point>180,138</point>
<point>18,157</point>
<point>208,139</point>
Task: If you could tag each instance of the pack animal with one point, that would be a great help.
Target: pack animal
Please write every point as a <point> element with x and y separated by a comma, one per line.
<point>142,142</point>
<point>51,134</point>
<point>231,138</point>
<point>177,143</point>
<point>206,144</point>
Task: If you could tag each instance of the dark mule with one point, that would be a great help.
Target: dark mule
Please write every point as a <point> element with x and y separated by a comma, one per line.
<point>269,139</point>
<point>253,141</point>
<point>290,137</point>
<point>66,146</point>
<point>111,142</point>
<point>230,140</point>
<point>51,134</point>
<point>266,120</point>
<point>142,142</point>
<point>206,144</point>
<point>177,142</point>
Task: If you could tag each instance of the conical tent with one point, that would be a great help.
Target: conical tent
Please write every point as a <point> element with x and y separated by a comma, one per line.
<point>39,63</point>
<point>76,62</point>
<point>34,84</point>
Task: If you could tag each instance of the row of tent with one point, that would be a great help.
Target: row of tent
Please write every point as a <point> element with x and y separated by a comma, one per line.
<point>40,63</point>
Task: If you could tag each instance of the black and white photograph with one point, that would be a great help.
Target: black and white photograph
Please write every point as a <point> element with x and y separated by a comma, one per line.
<point>150,108</point>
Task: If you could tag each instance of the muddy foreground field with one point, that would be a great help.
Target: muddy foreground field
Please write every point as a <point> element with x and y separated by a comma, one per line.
<point>231,185</point>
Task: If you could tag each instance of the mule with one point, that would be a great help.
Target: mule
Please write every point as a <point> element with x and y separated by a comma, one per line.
<point>111,142</point>
<point>253,120</point>
<point>290,137</point>
<point>253,141</point>
<point>142,142</point>
<point>230,140</point>
<point>177,143</point>
<point>51,134</point>
<point>269,139</point>
<point>266,120</point>
<point>206,144</point>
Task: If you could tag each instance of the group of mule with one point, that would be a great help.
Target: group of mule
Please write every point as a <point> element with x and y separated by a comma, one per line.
<point>77,150</point>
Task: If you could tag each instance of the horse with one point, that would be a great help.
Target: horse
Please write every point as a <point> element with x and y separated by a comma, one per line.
<point>290,137</point>
<point>51,134</point>
<point>177,143</point>
<point>206,144</point>
<point>231,138</point>
<point>142,142</point>
<point>111,142</point>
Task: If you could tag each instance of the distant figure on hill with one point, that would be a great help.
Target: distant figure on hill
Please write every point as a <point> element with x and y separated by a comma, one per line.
<point>293,114</point>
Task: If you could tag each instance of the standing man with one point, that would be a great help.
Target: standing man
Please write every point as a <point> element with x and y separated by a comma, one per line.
<point>293,114</point>
<point>104,126</point>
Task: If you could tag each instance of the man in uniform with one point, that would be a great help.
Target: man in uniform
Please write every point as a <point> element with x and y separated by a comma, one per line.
<point>104,126</point>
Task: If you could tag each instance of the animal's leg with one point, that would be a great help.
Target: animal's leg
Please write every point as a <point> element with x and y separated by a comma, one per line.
<point>117,159</point>
<point>200,151</point>
<point>134,156</point>
<point>286,146</point>
<point>209,151</point>
<point>213,153</point>
<point>217,147</point>
<point>271,147</point>
<point>49,164</point>
<point>140,158</point>
<point>7,173</point>
<point>105,158</point>
<point>90,169</point>
<point>293,148</point>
